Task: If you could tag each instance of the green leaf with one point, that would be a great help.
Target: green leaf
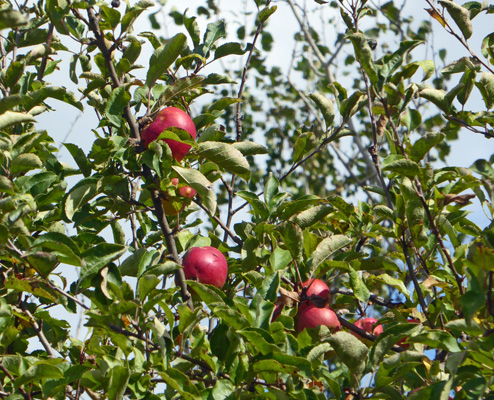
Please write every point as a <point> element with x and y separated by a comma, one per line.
<point>80,158</point>
<point>271,190</point>
<point>43,262</point>
<point>6,185</point>
<point>79,195</point>
<point>9,102</point>
<point>200,184</point>
<point>460,15</point>
<point>350,350</point>
<point>24,163</point>
<point>146,284</point>
<point>388,338</point>
<point>258,341</point>
<point>437,97</point>
<point>273,366</point>
<point>358,286</point>
<point>61,246</point>
<point>40,370</point>
<point>402,167</point>
<point>180,87</point>
<point>327,247</point>
<point>376,263</point>
<point>482,256</point>
<point>11,18</point>
<point>392,62</point>
<point>265,13</point>
<point>10,118</point>
<point>394,282</point>
<point>462,65</point>
<point>119,99</point>
<point>313,215</point>
<point>279,259</point>
<point>133,12</point>
<point>231,317</point>
<point>423,145</point>
<point>37,97</point>
<point>209,294</point>
<point>293,239</point>
<point>228,49</point>
<point>353,104</point>
<point>119,379</point>
<point>437,339</point>
<point>163,57</point>
<point>250,148</point>
<point>30,286</point>
<point>486,88</point>
<point>217,79</point>
<point>260,208</point>
<point>100,255</point>
<point>364,55</point>
<point>226,156</point>
<point>179,382</point>
<point>325,106</point>
<point>14,73</point>
<point>214,31</point>
<point>110,18</point>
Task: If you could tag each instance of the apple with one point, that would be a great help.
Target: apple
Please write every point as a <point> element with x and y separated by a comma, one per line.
<point>174,205</point>
<point>170,117</point>
<point>207,265</point>
<point>316,292</point>
<point>368,325</point>
<point>313,316</point>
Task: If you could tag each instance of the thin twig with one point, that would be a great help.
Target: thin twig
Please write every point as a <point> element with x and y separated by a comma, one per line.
<point>415,281</point>
<point>39,331</point>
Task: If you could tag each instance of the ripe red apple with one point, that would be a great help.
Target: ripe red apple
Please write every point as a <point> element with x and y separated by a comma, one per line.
<point>167,118</point>
<point>313,316</point>
<point>174,205</point>
<point>316,292</point>
<point>368,325</point>
<point>206,264</point>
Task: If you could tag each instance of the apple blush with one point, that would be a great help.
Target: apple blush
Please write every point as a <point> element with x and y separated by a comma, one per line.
<point>170,117</point>
<point>207,265</point>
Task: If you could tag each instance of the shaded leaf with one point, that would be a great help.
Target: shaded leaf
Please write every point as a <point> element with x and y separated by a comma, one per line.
<point>200,184</point>
<point>163,57</point>
<point>327,247</point>
<point>10,118</point>
<point>226,156</point>
<point>350,350</point>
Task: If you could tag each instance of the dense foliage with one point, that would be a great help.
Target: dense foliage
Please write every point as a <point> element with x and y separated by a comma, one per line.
<point>334,167</point>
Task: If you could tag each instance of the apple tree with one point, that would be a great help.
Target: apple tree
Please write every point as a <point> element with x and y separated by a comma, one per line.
<point>325,184</point>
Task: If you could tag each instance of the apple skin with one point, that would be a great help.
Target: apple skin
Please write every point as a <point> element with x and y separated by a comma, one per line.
<point>318,289</point>
<point>170,206</point>
<point>170,117</point>
<point>368,325</point>
<point>206,264</point>
<point>313,316</point>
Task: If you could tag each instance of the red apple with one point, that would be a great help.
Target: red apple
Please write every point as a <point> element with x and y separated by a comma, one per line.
<point>174,205</point>
<point>313,316</point>
<point>167,118</point>
<point>207,265</point>
<point>368,325</point>
<point>316,292</point>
